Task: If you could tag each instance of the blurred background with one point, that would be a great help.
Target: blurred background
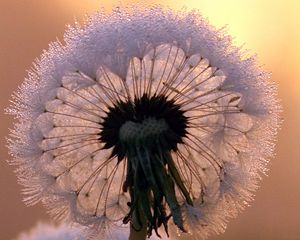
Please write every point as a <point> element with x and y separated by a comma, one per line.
<point>270,28</point>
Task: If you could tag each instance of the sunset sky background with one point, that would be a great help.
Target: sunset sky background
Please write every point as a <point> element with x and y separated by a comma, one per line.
<point>270,28</point>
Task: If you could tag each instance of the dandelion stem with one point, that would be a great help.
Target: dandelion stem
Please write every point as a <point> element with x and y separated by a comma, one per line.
<point>141,233</point>
<point>138,235</point>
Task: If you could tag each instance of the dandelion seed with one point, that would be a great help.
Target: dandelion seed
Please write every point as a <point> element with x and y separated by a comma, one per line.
<point>147,117</point>
<point>43,231</point>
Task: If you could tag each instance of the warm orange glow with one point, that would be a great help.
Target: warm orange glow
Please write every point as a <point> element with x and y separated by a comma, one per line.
<point>92,5</point>
<point>268,28</point>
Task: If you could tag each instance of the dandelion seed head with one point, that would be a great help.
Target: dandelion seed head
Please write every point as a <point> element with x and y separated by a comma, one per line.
<point>144,113</point>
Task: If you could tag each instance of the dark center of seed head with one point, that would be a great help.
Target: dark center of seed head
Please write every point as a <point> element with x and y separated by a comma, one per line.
<point>148,118</point>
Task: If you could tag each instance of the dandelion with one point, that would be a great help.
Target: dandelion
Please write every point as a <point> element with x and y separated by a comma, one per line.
<point>43,231</point>
<point>145,117</point>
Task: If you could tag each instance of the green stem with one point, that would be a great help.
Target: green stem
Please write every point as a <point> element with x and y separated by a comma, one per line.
<point>141,234</point>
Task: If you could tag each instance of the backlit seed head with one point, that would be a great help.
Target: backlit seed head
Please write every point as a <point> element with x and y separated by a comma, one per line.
<point>146,116</point>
